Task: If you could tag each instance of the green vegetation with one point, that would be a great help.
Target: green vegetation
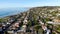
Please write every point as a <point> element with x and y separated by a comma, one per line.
<point>46,14</point>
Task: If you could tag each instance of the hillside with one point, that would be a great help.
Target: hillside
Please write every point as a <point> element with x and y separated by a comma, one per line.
<point>34,17</point>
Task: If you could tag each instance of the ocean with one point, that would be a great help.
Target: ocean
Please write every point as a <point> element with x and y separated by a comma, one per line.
<point>11,11</point>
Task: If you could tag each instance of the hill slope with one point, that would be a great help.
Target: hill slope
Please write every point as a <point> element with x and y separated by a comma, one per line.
<point>33,15</point>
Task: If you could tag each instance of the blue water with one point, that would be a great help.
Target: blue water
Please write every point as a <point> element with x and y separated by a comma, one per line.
<point>11,11</point>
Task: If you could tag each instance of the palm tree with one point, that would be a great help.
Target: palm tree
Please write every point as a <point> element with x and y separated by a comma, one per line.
<point>37,27</point>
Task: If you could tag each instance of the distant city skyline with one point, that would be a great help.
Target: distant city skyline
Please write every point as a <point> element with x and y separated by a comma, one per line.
<point>28,3</point>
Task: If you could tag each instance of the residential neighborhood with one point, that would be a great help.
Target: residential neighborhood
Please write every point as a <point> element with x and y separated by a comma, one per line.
<point>37,20</point>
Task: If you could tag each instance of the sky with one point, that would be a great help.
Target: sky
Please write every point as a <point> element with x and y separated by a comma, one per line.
<point>28,3</point>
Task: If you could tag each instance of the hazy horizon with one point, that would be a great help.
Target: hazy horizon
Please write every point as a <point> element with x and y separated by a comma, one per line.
<point>15,4</point>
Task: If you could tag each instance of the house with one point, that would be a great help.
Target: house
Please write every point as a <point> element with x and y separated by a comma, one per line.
<point>56,20</point>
